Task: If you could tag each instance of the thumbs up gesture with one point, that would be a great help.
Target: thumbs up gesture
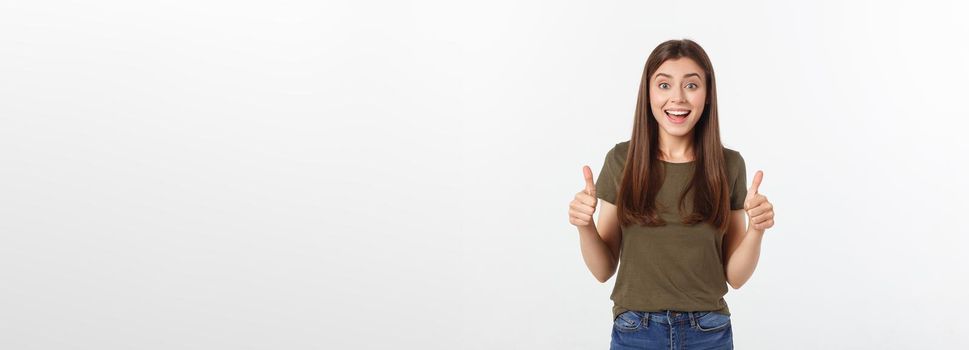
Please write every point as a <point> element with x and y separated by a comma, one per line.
<point>584,204</point>
<point>759,211</point>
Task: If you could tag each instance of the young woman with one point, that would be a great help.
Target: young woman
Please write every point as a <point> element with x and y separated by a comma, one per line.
<point>673,216</point>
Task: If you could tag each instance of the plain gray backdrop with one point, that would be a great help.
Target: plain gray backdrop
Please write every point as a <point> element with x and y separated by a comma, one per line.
<point>396,175</point>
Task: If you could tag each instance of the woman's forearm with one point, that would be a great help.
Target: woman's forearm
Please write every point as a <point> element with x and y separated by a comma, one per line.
<point>743,262</point>
<point>598,258</point>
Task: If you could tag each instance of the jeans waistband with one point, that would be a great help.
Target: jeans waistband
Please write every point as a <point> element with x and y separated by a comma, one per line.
<point>673,316</point>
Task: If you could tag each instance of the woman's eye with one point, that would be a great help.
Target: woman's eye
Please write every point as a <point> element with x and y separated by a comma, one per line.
<point>692,85</point>
<point>664,85</point>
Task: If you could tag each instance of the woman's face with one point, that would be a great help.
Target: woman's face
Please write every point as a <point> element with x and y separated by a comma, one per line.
<point>677,95</point>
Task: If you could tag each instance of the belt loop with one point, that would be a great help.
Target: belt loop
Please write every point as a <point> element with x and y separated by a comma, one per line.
<point>646,320</point>
<point>692,319</point>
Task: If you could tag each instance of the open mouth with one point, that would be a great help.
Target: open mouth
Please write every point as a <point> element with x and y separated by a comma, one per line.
<point>677,115</point>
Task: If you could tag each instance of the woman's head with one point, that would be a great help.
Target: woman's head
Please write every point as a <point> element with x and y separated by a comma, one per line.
<point>677,96</point>
<point>678,78</point>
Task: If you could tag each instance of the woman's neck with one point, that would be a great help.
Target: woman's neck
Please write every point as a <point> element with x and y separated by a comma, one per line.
<point>676,149</point>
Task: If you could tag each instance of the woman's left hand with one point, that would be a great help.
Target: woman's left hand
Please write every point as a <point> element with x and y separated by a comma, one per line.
<point>759,211</point>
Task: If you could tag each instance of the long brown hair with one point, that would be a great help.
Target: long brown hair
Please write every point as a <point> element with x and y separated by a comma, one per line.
<point>643,174</point>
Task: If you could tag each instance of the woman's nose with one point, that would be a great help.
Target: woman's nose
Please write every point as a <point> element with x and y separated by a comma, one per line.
<point>678,96</point>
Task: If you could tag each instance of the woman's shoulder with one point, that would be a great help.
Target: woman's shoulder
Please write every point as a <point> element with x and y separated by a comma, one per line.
<point>734,160</point>
<point>731,154</point>
<point>618,152</point>
<point>621,147</point>
<point>622,144</point>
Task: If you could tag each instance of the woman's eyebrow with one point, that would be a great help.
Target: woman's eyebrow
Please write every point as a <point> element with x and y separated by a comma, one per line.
<point>684,76</point>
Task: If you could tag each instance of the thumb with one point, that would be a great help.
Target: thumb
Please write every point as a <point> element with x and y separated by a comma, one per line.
<point>758,177</point>
<point>590,187</point>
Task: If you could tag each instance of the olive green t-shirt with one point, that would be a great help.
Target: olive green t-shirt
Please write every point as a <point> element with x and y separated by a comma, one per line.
<point>676,266</point>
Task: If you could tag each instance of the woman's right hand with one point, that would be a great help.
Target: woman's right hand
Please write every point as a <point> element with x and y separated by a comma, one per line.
<point>584,204</point>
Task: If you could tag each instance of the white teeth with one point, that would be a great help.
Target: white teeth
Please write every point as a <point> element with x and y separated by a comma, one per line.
<point>678,113</point>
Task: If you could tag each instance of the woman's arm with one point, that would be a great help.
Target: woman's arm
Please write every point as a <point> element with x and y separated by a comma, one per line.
<point>742,245</point>
<point>600,247</point>
<point>742,242</point>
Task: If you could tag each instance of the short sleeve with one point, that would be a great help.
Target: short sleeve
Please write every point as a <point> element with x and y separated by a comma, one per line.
<point>738,187</point>
<point>607,184</point>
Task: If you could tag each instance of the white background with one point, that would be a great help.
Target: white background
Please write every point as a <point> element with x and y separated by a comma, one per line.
<point>391,175</point>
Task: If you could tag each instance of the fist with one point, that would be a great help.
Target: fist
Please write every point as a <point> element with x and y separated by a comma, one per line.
<point>759,211</point>
<point>584,204</point>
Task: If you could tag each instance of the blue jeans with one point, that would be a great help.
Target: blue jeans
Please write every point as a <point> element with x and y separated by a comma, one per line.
<point>671,330</point>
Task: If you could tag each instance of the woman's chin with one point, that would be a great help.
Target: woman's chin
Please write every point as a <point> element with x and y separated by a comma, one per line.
<point>679,130</point>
